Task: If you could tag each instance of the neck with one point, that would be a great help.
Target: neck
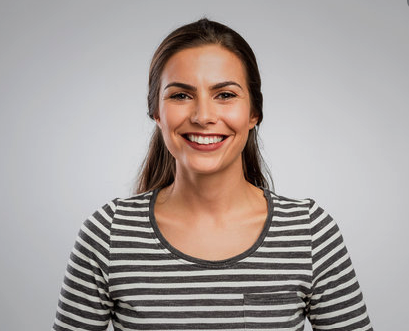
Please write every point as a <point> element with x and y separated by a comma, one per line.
<point>211,196</point>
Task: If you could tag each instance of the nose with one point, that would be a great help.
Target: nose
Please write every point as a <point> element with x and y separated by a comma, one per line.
<point>204,112</point>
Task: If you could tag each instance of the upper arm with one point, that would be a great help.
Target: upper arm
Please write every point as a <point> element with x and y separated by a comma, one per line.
<point>84,302</point>
<point>336,301</point>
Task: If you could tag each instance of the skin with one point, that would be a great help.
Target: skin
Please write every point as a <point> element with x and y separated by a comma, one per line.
<point>210,211</point>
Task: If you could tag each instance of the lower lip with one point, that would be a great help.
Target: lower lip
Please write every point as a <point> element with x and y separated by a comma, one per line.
<point>205,148</point>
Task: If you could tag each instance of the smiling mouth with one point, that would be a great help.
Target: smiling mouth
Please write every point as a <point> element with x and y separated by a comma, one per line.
<point>204,140</point>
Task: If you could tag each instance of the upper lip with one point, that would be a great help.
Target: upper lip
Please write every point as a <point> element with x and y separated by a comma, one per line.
<point>204,134</point>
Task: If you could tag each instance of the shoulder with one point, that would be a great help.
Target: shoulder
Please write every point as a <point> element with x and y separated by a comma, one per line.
<point>143,197</point>
<point>137,202</point>
<point>285,202</point>
<point>308,218</point>
<point>105,214</point>
<point>307,208</point>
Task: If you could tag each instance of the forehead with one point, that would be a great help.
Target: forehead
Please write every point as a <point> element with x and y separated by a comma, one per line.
<point>204,64</point>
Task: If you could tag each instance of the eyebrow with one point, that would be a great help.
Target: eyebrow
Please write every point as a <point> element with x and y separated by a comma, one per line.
<point>194,89</point>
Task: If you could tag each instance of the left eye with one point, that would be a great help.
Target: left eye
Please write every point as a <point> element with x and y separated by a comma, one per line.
<point>183,96</point>
<point>227,95</point>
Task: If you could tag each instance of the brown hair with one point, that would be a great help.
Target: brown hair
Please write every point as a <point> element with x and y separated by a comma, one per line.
<point>158,168</point>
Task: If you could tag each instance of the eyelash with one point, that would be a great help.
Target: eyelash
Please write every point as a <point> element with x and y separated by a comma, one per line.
<point>177,95</point>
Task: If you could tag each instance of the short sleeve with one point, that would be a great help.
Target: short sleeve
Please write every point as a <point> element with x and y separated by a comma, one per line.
<point>84,302</point>
<point>336,301</point>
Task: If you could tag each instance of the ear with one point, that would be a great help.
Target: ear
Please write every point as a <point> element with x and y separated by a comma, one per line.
<point>157,119</point>
<point>253,121</point>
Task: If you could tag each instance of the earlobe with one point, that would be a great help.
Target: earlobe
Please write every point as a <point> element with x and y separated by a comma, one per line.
<point>157,120</point>
<point>253,122</point>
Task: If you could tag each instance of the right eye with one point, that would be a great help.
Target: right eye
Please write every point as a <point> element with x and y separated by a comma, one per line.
<point>179,96</point>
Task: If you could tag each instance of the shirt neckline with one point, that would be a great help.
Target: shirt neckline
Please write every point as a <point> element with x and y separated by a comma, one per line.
<point>212,263</point>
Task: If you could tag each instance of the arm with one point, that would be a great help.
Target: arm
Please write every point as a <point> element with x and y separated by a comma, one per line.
<point>84,302</point>
<point>336,302</point>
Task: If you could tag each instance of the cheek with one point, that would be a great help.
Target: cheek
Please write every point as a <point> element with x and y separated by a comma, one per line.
<point>171,119</point>
<point>238,118</point>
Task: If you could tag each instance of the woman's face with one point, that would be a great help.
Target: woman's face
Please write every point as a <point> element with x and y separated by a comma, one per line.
<point>204,98</point>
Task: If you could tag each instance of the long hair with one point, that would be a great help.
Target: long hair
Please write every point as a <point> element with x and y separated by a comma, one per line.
<point>158,168</point>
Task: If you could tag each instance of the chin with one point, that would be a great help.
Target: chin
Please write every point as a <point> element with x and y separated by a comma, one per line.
<point>204,168</point>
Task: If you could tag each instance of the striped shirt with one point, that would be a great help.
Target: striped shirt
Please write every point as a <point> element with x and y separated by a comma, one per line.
<point>122,269</point>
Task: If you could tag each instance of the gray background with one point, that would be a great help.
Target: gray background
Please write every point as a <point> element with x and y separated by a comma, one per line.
<point>74,127</point>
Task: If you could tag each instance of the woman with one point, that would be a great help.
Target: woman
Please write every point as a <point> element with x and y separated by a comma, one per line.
<point>204,243</point>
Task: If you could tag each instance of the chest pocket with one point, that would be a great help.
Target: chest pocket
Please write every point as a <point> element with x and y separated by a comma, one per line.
<point>273,311</point>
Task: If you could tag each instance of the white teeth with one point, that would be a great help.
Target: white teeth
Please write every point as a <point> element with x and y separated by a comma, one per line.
<point>205,140</point>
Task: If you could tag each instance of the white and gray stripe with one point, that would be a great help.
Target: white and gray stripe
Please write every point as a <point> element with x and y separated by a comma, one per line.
<point>122,269</point>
